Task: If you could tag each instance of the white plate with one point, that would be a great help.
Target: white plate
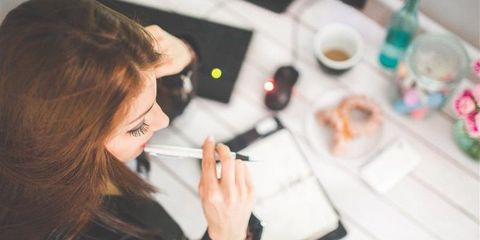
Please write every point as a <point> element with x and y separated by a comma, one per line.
<point>321,136</point>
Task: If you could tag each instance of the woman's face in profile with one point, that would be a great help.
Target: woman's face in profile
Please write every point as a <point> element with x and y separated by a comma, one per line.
<point>143,118</point>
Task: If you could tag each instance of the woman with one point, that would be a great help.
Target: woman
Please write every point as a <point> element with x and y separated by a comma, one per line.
<point>77,100</point>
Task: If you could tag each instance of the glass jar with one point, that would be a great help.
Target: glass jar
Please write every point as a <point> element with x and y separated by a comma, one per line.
<point>433,66</point>
<point>470,145</point>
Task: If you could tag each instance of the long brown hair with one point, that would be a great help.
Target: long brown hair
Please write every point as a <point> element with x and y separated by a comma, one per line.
<point>68,69</point>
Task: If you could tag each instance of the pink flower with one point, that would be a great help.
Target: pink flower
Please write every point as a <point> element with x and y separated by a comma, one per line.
<point>465,103</point>
<point>476,93</point>
<point>472,124</point>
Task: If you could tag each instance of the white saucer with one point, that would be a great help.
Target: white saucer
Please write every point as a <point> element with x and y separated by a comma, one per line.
<point>321,136</point>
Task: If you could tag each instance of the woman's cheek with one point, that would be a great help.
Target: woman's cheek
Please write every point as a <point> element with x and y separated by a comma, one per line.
<point>116,148</point>
<point>125,148</point>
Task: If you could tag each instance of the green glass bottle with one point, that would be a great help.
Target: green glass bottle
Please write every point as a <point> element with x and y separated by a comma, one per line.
<point>402,28</point>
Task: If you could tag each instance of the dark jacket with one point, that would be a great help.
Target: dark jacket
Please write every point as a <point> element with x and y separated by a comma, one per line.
<point>148,214</point>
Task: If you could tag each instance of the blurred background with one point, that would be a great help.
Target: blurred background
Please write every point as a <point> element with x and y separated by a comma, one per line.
<point>460,16</point>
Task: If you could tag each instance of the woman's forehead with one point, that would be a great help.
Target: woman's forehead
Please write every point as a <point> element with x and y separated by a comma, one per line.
<point>146,97</point>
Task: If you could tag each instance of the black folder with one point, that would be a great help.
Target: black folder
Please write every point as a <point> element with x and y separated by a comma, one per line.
<point>219,46</point>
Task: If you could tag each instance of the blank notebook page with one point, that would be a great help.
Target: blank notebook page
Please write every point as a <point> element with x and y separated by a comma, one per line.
<point>290,201</point>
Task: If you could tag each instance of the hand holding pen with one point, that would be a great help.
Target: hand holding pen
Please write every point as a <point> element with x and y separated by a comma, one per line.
<point>227,201</point>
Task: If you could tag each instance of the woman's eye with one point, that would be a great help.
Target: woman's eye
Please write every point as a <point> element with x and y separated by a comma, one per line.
<point>140,130</point>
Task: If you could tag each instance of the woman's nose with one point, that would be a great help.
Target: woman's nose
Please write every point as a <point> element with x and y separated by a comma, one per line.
<point>160,119</point>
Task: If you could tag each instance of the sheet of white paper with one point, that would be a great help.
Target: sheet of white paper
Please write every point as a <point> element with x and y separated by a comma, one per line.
<point>290,201</point>
<point>390,166</point>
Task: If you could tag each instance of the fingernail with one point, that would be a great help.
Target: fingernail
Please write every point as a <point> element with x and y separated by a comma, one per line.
<point>210,139</point>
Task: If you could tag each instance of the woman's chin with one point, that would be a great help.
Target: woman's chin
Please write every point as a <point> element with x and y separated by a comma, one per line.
<point>139,151</point>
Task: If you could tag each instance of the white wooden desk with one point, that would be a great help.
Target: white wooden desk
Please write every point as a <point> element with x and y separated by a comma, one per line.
<point>438,200</point>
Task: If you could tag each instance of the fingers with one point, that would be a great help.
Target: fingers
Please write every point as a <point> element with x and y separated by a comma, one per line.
<point>235,176</point>
<point>155,30</point>
<point>227,207</point>
<point>228,166</point>
<point>240,177</point>
<point>209,171</point>
<point>177,54</point>
<point>160,38</point>
<point>249,182</point>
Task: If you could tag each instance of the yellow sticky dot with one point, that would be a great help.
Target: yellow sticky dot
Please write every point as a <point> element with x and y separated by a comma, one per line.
<point>216,73</point>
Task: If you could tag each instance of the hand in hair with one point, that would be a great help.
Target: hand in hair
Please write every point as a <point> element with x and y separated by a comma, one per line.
<point>227,202</point>
<point>176,54</point>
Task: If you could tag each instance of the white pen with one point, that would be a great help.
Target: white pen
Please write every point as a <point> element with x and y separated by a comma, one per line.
<point>184,152</point>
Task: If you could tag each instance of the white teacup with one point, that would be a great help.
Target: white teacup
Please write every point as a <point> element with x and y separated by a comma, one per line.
<point>338,47</point>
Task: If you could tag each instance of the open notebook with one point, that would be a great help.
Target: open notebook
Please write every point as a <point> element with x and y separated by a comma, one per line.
<point>290,200</point>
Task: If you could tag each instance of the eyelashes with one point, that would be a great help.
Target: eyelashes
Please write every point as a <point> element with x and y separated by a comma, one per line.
<point>140,130</point>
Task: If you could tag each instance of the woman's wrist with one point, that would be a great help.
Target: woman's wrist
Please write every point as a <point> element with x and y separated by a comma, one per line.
<point>193,55</point>
<point>217,236</point>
